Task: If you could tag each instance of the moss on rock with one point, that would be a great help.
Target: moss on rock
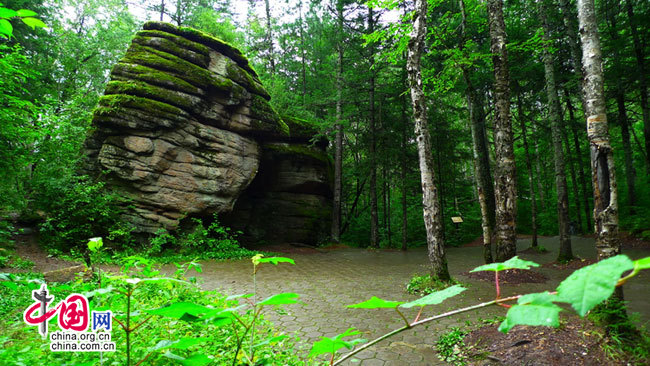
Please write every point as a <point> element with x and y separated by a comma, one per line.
<point>160,60</point>
<point>142,89</point>
<point>124,72</point>
<point>296,149</point>
<point>172,47</point>
<point>204,39</point>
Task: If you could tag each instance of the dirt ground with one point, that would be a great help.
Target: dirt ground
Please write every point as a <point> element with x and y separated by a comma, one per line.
<point>576,342</point>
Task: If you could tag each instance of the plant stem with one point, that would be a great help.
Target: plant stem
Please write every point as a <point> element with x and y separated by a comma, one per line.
<point>128,327</point>
<point>423,321</point>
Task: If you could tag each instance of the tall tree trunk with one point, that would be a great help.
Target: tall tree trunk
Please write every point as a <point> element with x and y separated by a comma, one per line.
<point>581,169</point>
<point>505,191</point>
<point>529,166</point>
<point>630,173</point>
<point>374,216</point>
<point>643,84</point>
<point>565,253</point>
<point>602,156</point>
<point>403,175</point>
<point>269,36</point>
<point>538,169</point>
<point>482,176</point>
<point>430,203</point>
<point>338,139</point>
<point>572,161</point>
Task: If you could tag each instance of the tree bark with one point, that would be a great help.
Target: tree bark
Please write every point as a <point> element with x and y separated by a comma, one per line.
<point>338,139</point>
<point>529,166</point>
<point>430,203</point>
<point>643,84</point>
<point>374,216</point>
<point>602,157</point>
<point>403,175</point>
<point>505,191</point>
<point>565,253</point>
<point>482,174</point>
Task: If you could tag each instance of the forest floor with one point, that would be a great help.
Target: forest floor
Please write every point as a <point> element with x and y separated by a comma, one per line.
<point>329,279</point>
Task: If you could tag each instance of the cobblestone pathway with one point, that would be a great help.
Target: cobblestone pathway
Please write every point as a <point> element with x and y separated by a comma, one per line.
<point>329,281</point>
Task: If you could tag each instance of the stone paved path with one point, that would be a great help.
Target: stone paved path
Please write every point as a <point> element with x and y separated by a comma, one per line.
<point>327,282</point>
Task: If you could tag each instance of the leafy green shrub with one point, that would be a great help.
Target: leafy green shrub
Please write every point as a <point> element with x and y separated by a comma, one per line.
<point>216,240</point>
<point>80,211</point>
<point>451,348</point>
<point>425,284</point>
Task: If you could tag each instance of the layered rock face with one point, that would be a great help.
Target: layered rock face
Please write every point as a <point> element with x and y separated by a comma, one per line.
<point>182,130</point>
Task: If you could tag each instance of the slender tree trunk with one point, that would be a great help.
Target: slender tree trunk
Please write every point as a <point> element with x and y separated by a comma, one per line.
<point>162,9</point>
<point>643,84</point>
<point>572,161</point>
<point>505,191</point>
<point>482,176</point>
<point>565,253</point>
<point>529,166</point>
<point>388,228</point>
<point>302,58</point>
<point>630,173</point>
<point>374,216</point>
<point>430,203</point>
<point>403,175</point>
<point>338,139</point>
<point>581,169</point>
<point>538,168</point>
<point>602,157</point>
<point>269,36</point>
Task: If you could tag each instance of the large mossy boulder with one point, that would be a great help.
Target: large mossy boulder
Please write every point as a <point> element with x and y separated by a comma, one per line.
<point>181,127</point>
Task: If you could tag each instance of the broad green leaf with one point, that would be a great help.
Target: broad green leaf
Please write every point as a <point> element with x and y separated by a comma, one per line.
<point>589,286</point>
<point>539,298</point>
<point>280,299</point>
<point>531,314</point>
<point>7,13</point>
<point>239,296</point>
<point>331,345</point>
<point>99,291</point>
<point>512,263</point>
<point>276,260</point>
<point>6,28</point>
<point>94,244</point>
<point>34,22</point>
<point>642,263</point>
<point>173,356</point>
<point>183,310</point>
<point>271,340</point>
<point>376,303</point>
<point>183,343</point>
<point>435,297</point>
<point>26,13</point>
<point>198,359</point>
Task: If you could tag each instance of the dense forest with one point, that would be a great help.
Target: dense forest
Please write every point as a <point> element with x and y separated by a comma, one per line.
<point>489,119</point>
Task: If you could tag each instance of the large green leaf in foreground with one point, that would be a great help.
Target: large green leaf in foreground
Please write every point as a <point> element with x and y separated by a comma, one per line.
<point>589,286</point>
<point>533,309</point>
<point>376,303</point>
<point>331,345</point>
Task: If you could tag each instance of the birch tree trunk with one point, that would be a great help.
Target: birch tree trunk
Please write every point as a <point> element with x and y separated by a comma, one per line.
<point>574,47</point>
<point>505,190</point>
<point>602,157</point>
<point>430,203</point>
<point>565,253</point>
